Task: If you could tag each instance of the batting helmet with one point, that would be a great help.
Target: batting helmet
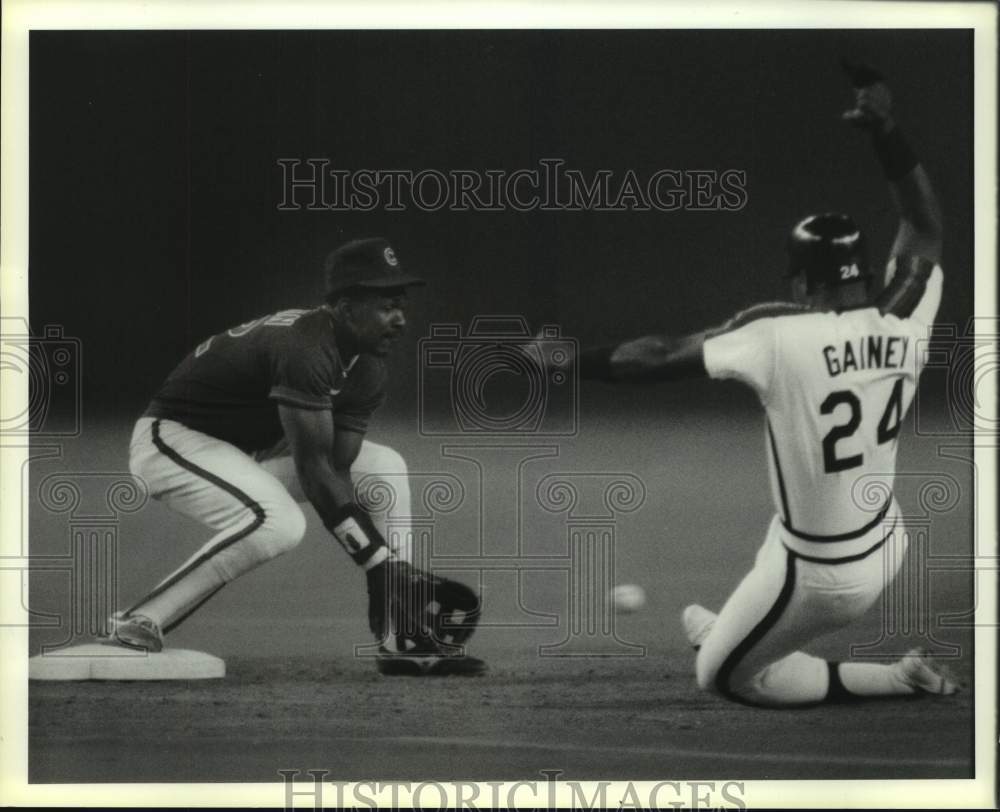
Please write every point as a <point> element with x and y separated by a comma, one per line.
<point>829,249</point>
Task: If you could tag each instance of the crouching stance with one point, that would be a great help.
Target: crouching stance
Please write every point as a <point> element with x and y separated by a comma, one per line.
<point>273,413</point>
<point>836,372</point>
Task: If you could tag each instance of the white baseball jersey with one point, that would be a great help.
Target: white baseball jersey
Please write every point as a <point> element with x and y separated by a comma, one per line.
<point>835,387</point>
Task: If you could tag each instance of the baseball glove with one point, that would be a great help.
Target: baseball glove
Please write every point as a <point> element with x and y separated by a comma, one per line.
<point>421,621</point>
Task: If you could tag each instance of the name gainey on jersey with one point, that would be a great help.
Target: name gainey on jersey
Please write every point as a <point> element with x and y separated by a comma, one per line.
<point>866,352</point>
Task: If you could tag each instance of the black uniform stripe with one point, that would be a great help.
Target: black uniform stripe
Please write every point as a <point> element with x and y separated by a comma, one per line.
<point>849,558</point>
<point>836,692</point>
<point>854,534</point>
<point>781,479</point>
<point>756,635</point>
<point>258,511</point>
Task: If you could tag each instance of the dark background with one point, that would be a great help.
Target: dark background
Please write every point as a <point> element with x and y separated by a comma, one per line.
<point>154,182</point>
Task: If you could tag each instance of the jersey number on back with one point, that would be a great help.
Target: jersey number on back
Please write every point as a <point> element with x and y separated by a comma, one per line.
<point>888,426</point>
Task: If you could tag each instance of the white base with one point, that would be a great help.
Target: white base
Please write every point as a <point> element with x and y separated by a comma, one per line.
<point>108,661</point>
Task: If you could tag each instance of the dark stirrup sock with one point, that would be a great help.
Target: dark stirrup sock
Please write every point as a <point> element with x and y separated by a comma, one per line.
<point>836,693</point>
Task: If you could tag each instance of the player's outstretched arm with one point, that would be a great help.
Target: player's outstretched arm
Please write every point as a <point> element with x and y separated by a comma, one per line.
<point>920,228</point>
<point>326,481</point>
<point>649,358</point>
<point>420,609</point>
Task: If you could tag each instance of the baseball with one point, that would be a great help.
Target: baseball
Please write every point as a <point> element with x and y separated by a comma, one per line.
<point>628,598</point>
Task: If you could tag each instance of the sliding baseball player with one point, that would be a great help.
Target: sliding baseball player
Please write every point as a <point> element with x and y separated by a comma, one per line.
<point>835,372</point>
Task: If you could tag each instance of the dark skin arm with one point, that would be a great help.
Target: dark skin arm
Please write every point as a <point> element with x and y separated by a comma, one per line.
<point>920,229</point>
<point>920,232</point>
<point>657,358</point>
<point>323,457</point>
<point>649,359</point>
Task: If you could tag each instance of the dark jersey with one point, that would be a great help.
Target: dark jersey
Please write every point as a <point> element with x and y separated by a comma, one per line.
<point>231,384</point>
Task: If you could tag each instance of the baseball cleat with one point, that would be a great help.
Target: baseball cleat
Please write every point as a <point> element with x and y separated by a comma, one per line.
<point>463,666</point>
<point>429,665</point>
<point>136,631</point>
<point>697,622</point>
<point>918,671</point>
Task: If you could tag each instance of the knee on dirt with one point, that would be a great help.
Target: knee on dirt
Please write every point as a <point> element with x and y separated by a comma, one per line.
<point>739,686</point>
<point>707,677</point>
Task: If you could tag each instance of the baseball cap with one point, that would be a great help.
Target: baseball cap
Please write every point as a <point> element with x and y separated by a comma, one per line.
<point>367,263</point>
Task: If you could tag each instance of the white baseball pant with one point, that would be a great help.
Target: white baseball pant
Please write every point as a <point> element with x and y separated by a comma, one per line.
<point>786,601</point>
<point>252,504</point>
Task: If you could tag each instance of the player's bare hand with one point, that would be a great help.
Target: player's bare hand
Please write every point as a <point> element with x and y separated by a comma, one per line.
<point>872,100</point>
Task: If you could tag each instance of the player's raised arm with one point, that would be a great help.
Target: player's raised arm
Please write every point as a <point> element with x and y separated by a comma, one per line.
<point>920,229</point>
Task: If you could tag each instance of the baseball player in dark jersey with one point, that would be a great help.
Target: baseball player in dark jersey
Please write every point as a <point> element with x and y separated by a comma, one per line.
<point>274,412</point>
<point>836,373</point>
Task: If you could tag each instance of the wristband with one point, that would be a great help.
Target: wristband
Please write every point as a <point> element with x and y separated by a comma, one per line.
<point>354,529</point>
<point>595,363</point>
<point>894,153</point>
